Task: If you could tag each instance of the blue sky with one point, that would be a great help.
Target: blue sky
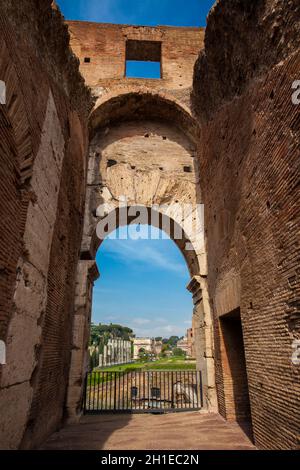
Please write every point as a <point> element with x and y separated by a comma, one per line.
<point>138,69</point>
<point>143,285</point>
<point>143,282</point>
<point>140,12</point>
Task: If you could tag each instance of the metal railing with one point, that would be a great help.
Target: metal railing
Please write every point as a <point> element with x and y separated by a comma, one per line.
<point>142,391</point>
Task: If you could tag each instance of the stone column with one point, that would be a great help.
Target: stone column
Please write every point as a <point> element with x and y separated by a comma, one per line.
<point>120,358</point>
<point>104,355</point>
<point>109,352</point>
<point>87,273</point>
<point>125,351</point>
<point>116,350</point>
<point>100,360</point>
<point>203,338</point>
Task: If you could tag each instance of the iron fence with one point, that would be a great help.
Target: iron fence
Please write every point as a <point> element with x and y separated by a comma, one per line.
<point>142,391</point>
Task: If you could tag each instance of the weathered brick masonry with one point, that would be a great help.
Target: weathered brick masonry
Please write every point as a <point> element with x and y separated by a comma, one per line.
<point>43,141</point>
<point>104,45</point>
<point>249,175</point>
<point>230,139</point>
<point>143,146</point>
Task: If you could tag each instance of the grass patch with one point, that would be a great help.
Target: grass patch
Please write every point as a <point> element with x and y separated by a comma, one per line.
<point>170,363</point>
<point>122,368</point>
<point>170,366</point>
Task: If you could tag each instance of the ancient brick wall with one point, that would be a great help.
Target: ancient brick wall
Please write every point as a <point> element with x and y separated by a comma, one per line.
<point>248,168</point>
<point>43,170</point>
<point>143,140</point>
<point>249,175</point>
<point>104,45</point>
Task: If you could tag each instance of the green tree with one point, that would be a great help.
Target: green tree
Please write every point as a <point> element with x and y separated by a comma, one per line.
<point>144,355</point>
<point>178,352</point>
<point>101,333</point>
<point>173,341</point>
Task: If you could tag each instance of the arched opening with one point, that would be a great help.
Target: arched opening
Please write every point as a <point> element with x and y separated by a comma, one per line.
<point>140,103</point>
<point>142,168</point>
<point>142,151</point>
<point>142,287</point>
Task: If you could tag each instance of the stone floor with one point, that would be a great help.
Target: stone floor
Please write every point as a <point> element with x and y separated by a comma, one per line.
<point>174,431</point>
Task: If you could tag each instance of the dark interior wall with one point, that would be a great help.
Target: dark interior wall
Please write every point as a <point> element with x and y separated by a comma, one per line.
<point>249,174</point>
<point>233,391</point>
<point>254,37</point>
<point>249,171</point>
<point>10,216</point>
<point>36,63</point>
<point>29,35</point>
<point>50,379</point>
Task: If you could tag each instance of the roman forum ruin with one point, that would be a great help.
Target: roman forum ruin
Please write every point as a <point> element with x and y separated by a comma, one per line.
<point>221,127</point>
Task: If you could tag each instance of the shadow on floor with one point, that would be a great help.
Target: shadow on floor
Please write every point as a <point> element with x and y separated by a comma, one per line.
<point>247,428</point>
<point>170,431</point>
<point>91,432</point>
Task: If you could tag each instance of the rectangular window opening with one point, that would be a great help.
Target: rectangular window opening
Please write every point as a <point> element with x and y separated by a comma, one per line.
<point>235,387</point>
<point>143,59</point>
<point>187,169</point>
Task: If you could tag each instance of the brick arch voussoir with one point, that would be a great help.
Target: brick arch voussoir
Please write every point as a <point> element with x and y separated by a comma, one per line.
<point>142,103</point>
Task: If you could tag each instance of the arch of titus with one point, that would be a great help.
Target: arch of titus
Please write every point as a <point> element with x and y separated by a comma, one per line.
<point>219,129</point>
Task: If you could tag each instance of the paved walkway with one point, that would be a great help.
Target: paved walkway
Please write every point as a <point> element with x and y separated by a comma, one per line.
<point>174,431</point>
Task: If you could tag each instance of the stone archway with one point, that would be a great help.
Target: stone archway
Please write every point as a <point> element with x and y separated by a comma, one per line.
<point>138,102</point>
<point>142,157</point>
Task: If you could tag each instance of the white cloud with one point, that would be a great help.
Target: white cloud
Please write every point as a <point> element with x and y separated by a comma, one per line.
<point>160,320</point>
<point>111,319</point>
<point>140,321</point>
<point>148,327</point>
<point>141,252</point>
<point>160,330</point>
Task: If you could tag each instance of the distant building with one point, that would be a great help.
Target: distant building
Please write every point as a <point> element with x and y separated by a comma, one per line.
<point>187,343</point>
<point>158,347</point>
<point>149,345</point>
<point>116,351</point>
<point>191,342</point>
<point>183,344</point>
